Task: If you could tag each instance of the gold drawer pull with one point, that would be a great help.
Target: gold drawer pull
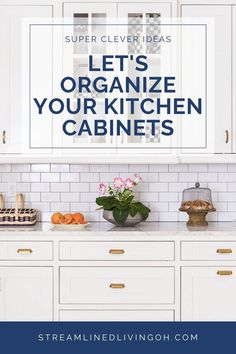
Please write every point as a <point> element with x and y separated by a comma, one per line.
<point>116,251</point>
<point>24,250</point>
<point>224,250</point>
<point>116,286</point>
<point>224,272</point>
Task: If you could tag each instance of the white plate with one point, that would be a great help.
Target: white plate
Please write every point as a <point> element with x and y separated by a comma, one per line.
<point>70,226</point>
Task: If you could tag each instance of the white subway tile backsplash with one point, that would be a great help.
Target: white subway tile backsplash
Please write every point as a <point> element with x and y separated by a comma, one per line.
<point>188,177</point>
<point>40,167</point>
<point>216,167</point>
<point>157,187</point>
<point>5,168</point>
<point>177,187</point>
<point>107,177</point>
<point>60,168</point>
<point>21,168</point>
<point>138,168</point>
<point>50,197</point>
<point>79,168</point>
<point>119,168</point>
<point>70,177</point>
<point>89,177</point>
<point>178,168</point>
<point>60,207</point>
<point>60,187</point>
<point>99,168</point>
<point>168,177</point>
<point>227,177</point>
<point>70,197</point>
<point>168,197</point>
<point>50,177</point>
<point>198,167</point>
<point>158,168</point>
<point>80,187</point>
<point>40,187</point>
<point>74,187</point>
<point>80,207</point>
<point>30,177</point>
<point>11,177</point>
<point>207,177</point>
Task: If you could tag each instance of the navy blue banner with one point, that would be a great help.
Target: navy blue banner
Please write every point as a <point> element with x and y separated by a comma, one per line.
<point>117,337</point>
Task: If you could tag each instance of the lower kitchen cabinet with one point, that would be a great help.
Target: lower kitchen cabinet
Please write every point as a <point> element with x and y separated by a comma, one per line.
<point>26,294</point>
<point>117,315</point>
<point>208,293</point>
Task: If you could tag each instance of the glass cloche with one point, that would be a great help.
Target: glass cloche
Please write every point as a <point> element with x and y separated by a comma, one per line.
<point>197,198</point>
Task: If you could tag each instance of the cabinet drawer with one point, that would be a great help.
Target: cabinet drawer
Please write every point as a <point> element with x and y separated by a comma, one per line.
<point>24,250</point>
<point>116,315</point>
<point>117,251</point>
<point>116,285</point>
<point>208,251</point>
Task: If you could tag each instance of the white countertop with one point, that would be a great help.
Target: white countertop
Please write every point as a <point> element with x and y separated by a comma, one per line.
<point>106,231</point>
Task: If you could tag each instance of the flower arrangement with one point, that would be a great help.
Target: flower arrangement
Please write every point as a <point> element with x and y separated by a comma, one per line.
<point>120,199</point>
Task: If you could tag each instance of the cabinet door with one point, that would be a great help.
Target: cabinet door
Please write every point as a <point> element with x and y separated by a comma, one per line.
<point>220,108</point>
<point>14,107</point>
<point>144,20</point>
<point>208,294</point>
<point>87,20</point>
<point>26,294</point>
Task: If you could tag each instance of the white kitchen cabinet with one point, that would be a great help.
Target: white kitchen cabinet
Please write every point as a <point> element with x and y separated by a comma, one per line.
<point>15,76</point>
<point>234,76</point>
<point>208,293</point>
<point>219,109</point>
<point>26,294</point>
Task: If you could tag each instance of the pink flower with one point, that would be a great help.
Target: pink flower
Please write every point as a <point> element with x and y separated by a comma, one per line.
<point>102,188</point>
<point>129,183</point>
<point>137,179</point>
<point>118,183</point>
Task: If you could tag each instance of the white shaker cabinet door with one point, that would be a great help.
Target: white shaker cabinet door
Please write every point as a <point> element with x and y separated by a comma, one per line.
<point>208,294</point>
<point>26,294</point>
<point>15,76</point>
<point>219,106</point>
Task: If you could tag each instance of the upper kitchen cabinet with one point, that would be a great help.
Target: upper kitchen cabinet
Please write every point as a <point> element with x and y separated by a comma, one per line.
<point>220,69</point>
<point>16,76</point>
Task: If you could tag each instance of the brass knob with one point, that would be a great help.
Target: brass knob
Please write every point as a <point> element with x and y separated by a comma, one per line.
<point>224,272</point>
<point>117,285</point>
<point>24,250</point>
<point>224,250</point>
<point>116,251</point>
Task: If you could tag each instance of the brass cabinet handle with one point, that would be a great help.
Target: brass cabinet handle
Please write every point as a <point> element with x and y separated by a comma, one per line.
<point>4,137</point>
<point>117,251</point>
<point>226,136</point>
<point>117,285</point>
<point>224,250</point>
<point>24,250</point>
<point>224,272</point>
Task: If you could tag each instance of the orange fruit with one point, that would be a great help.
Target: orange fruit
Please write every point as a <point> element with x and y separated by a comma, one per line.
<point>66,219</point>
<point>78,217</point>
<point>55,218</point>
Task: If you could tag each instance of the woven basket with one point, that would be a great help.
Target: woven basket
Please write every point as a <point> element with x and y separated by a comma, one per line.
<point>18,216</point>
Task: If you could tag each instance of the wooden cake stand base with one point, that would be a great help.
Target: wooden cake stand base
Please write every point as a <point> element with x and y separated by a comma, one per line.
<point>197,217</point>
